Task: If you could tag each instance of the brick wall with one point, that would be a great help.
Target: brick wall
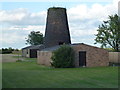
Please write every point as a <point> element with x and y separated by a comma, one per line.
<point>44,57</point>
<point>25,53</point>
<point>94,56</point>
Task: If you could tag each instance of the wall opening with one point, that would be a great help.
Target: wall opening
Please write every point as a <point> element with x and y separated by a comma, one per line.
<point>61,43</point>
<point>82,58</point>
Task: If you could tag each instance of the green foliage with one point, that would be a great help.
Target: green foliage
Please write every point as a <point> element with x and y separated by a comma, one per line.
<point>35,38</point>
<point>7,50</point>
<point>63,57</point>
<point>109,33</point>
<point>110,49</point>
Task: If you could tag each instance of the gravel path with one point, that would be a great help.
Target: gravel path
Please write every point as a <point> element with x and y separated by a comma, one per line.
<point>7,58</point>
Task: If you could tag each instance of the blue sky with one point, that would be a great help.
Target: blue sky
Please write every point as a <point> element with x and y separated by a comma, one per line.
<point>19,18</point>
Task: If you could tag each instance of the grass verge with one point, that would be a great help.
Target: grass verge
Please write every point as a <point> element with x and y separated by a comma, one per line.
<point>31,75</point>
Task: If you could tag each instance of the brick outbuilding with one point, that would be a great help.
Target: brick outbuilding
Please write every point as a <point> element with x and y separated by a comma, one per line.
<point>31,51</point>
<point>85,55</point>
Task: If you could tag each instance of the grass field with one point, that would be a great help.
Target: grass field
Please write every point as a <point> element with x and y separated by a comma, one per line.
<point>31,75</point>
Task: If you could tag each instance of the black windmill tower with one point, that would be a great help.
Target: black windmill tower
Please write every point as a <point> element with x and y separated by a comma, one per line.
<point>57,29</point>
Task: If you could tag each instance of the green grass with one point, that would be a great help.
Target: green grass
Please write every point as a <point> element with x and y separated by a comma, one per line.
<point>16,56</point>
<point>30,59</point>
<point>31,75</point>
<point>26,59</point>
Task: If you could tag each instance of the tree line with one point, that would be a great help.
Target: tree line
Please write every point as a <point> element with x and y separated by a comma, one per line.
<point>7,50</point>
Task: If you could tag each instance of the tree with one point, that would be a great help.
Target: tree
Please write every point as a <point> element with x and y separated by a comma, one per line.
<point>63,57</point>
<point>109,33</point>
<point>10,49</point>
<point>7,50</point>
<point>35,38</point>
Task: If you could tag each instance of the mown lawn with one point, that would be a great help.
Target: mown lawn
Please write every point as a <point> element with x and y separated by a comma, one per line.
<point>31,75</point>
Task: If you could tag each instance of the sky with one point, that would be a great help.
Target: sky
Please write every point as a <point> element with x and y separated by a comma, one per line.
<point>19,18</point>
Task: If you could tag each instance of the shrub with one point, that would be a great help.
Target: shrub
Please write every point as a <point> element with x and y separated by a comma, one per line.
<point>63,57</point>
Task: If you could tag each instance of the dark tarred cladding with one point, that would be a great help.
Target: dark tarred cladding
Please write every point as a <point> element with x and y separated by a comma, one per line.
<point>57,29</point>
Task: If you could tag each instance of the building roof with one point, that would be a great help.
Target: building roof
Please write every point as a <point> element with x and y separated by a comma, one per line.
<point>27,47</point>
<point>51,48</point>
<point>87,45</point>
<point>34,47</point>
<point>58,46</point>
<point>57,8</point>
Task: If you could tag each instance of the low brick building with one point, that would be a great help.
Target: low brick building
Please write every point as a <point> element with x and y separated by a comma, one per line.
<point>85,55</point>
<point>31,51</point>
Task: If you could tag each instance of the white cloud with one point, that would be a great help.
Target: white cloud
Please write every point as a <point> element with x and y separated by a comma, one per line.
<point>22,16</point>
<point>84,20</point>
<point>119,8</point>
<point>81,33</point>
<point>12,38</point>
<point>15,35</point>
<point>14,15</point>
<point>96,11</point>
<point>35,28</point>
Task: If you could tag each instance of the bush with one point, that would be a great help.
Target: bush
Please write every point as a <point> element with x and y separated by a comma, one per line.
<point>63,57</point>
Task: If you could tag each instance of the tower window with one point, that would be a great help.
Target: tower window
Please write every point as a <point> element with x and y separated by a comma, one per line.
<point>61,43</point>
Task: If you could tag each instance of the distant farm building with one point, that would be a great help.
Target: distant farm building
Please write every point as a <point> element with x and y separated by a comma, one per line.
<point>85,55</point>
<point>31,51</point>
